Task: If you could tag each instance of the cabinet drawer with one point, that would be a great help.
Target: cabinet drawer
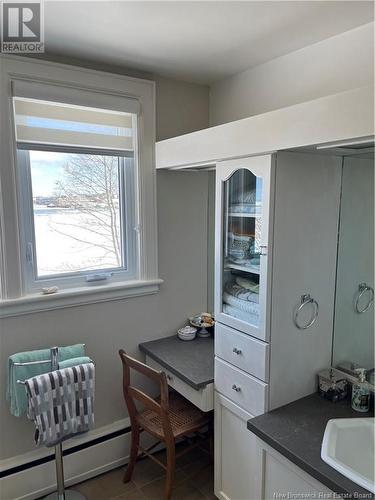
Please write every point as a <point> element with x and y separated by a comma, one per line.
<point>202,398</point>
<point>243,351</point>
<point>241,388</point>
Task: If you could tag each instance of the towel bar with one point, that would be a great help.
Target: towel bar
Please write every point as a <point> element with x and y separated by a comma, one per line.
<point>37,362</point>
<point>60,494</point>
<point>28,363</point>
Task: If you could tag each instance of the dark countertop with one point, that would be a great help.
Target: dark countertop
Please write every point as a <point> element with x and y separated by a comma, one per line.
<point>192,361</point>
<point>296,431</point>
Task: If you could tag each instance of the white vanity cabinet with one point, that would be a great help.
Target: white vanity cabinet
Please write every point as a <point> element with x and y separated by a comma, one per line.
<point>279,478</point>
<point>235,452</point>
<point>273,213</point>
<point>243,223</point>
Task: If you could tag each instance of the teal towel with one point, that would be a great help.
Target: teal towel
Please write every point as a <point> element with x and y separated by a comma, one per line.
<point>16,393</point>
<point>68,363</point>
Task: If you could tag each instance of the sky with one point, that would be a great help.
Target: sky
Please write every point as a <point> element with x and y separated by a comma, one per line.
<point>47,167</point>
<point>44,179</point>
<point>46,170</point>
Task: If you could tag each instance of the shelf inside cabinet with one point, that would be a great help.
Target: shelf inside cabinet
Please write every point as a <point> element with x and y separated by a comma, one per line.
<point>251,319</point>
<point>247,269</point>
<point>243,215</point>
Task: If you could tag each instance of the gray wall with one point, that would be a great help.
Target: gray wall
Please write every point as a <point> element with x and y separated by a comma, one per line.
<point>340,63</point>
<point>108,326</point>
<point>182,223</point>
<point>180,107</point>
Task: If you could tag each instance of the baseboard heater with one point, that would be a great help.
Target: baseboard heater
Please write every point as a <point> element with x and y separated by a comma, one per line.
<point>67,452</point>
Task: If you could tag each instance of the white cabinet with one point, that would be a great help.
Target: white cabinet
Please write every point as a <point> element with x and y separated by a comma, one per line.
<point>242,284</point>
<point>276,240</point>
<point>242,351</point>
<point>235,452</point>
<point>306,215</point>
<point>242,252</point>
<point>280,478</point>
<point>243,389</point>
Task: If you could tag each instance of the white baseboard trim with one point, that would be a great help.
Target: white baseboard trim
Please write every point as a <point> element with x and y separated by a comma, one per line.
<point>38,453</point>
<point>39,480</point>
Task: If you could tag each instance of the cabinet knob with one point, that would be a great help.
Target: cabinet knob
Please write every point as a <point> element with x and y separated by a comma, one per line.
<point>237,351</point>
<point>236,388</point>
<point>169,378</point>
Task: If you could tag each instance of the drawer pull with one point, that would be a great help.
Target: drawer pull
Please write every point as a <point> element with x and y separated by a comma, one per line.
<point>170,378</point>
<point>236,388</point>
<point>237,351</point>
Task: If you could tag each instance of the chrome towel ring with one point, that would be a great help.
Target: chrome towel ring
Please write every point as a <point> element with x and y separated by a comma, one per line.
<point>306,299</point>
<point>362,289</point>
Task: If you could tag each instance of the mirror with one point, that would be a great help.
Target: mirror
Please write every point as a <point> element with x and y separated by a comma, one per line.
<point>353,341</point>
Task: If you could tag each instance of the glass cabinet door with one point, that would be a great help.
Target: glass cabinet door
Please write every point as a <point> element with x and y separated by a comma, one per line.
<point>244,240</point>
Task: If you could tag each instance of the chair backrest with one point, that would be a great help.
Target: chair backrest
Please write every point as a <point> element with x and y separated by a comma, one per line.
<point>132,394</point>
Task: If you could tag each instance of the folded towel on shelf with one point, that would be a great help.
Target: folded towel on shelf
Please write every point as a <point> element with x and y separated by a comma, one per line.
<point>67,363</point>
<point>240,246</point>
<point>253,319</point>
<point>248,262</point>
<point>245,208</point>
<point>61,403</point>
<point>247,284</point>
<point>16,393</point>
<point>243,305</point>
<point>241,293</point>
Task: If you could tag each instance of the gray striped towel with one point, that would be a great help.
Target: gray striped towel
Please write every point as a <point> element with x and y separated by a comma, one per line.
<point>61,403</point>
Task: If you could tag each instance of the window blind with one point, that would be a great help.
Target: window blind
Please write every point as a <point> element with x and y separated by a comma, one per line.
<point>70,95</point>
<point>66,117</point>
<point>40,122</point>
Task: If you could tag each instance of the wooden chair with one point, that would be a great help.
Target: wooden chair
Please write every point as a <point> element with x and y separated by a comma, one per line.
<point>167,418</point>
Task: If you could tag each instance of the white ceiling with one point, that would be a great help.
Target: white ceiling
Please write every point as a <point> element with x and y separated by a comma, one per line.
<point>194,41</point>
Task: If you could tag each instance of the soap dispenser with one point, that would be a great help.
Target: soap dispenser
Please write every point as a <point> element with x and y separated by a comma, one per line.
<point>361,392</point>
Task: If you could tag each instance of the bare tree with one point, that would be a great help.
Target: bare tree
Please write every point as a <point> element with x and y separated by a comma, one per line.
<point>90,185</point>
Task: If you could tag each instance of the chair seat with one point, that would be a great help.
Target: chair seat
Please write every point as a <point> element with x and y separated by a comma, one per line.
<point>184,418</point>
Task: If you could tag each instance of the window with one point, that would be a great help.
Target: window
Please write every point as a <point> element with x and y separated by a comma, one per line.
<point>77,161</point>
<point>76,170</point>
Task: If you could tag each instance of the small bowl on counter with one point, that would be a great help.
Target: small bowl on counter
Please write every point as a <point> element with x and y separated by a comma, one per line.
<point>187,333</point>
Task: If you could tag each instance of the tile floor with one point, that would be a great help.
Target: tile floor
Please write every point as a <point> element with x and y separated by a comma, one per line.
<point>193,480</point>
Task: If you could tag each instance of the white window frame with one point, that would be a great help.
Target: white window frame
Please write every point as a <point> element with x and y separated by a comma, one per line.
<point>16,297</point>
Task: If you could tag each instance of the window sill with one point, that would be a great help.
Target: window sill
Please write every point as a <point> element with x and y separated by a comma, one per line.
<point>77,296</point>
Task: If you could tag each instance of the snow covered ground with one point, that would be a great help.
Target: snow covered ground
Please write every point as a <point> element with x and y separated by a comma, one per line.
<point>68,240</point>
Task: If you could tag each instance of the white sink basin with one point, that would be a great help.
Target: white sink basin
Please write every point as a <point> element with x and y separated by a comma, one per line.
<point>348,447</point>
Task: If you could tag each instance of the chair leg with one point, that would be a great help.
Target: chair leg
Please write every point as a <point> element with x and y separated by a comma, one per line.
<point>133,454</point>
<point>171,464</point>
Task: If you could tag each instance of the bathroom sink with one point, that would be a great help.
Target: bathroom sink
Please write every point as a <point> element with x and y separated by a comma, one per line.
<point>348,447</point>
